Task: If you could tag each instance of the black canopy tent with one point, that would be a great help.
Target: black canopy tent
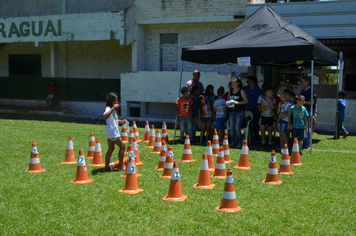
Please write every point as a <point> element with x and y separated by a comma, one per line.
<point>267,39</point>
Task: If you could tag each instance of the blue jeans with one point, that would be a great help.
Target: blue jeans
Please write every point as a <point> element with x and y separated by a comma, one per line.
<point>306,142</point>
<point>236,119</point>
<point>340,127</point>
<point>194,128</point>
<point>185,125</point>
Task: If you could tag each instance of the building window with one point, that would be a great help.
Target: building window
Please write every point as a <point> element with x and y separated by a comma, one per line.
<point>28,64</point>
<point>169,52</point>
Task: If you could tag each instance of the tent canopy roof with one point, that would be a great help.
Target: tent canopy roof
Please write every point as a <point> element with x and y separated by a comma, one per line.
<point>265,37</point>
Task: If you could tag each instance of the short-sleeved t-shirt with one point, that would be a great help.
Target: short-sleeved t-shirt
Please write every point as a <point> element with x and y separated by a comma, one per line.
<point>307,94</point>
<point>112,124</point>
<point>220,105</point>
<point>185,106</point>
<point>51,89</point>
<point>252,97</point>
<point>341,105</point>
<point>298,115</point>
<point>284,110</point>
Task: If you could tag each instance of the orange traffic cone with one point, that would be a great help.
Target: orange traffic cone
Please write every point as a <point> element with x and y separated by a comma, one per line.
<point>82,174</point>
<point>70,157</point>
<point>228,202</point>
<point>132,135</point>
<point>215,145</point>
<point>146,136</point>
<point>158,143</point>
<point>162,156</point>
<point>138,162</point>
<point>115,164</point>
<point>137,135</point>
<point>204,181</point>
<point>91,147</point>
<point>226,150</point>
<point>131,186</point>
<point>243,161</point>
<point>98,158</point>
<point>295,157</point>
<point>164,132</point>
<point>131,155</point>
<point>220,166</point>
<point>187,151</point>
<point>151,143</point>
<point>35,165</point>
<point>168,165</point>
<point>124,137</point>
<point>209,154</point>
<point>175,188</point>
<point>272,172</point>
<point>284,167</point>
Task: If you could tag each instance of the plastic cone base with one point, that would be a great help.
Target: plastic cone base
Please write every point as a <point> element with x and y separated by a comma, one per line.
<point>165,176</point>
<point>218,177</point>
<point>97,165</point>
<point>211,186</point>
<point>230,161</point>
<point>175,199</point>
<point>275,182</point>
<point>242,168</point>
<point>82,182</point>
<point>296,164</point>
<point>68,163</point>
<point>131,191</point>
<point>139,163</point>
<point>187,160</point>
<point>34,171</point>
<point>286,173</point>
<point>236,209</point>
<point>88,157</point>
<point>124,176</point>
<point>159,168</point>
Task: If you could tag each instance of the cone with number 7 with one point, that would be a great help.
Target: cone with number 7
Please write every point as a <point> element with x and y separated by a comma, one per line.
<point>82,174</point>
<point>131,186</point>
<point>228,202</point>
<point>175,188</point>
<point>272,172</point>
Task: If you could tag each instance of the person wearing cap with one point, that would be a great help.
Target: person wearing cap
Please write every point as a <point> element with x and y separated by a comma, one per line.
<point>195,81</point>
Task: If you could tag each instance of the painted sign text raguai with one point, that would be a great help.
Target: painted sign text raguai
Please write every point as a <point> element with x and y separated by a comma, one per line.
<point>34,28</point>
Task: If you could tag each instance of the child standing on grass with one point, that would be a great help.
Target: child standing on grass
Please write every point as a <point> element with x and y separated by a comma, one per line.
<point>341,107</point>
<point>205,118</point>
<point>220,116</point>
<point>283,113</point>
<point>52,89</point>
<point>300,120</point>
<point>112,132</point>
<point>183,113</point>
<point>194,95</point>
<point>267,105</point>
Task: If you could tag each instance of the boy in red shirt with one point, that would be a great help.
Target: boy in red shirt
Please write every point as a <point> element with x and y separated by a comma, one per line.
<point>183,113</point>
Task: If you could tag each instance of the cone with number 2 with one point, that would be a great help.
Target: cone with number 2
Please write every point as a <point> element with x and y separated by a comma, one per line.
<point>131,186</point>
<point>175,188</point>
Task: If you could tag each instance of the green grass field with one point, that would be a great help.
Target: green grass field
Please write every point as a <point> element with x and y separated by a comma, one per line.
<point>319,199</point>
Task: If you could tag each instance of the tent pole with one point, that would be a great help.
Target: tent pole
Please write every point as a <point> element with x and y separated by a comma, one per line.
<point>180,84</point>
<point>231,71</point>
<point>311,106</point>
<point>340,67</point>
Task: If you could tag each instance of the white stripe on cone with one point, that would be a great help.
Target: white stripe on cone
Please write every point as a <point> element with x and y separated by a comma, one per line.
<point>187,151</point>
<point>209,151</point>
<point>204,165</point>
<point>131,168</point>
<point>285,162</point>
<point>295,147</point>
<point>91,138</point>
<point>215,146</point>
<point>220,166</point>
<point>285,151</point>
<point>34,160</point>
<point>244,150</point>
<point>70,145</point>
<point>273,171</point>
<point>168,165</point>
<point>226,152</point>
<point>229,195</point>
<point>162,158</point>
<point>91,148</point>
<point>229,179</point>
<point>187,141</point>
<point>147,128</point>
<point>97,147</point>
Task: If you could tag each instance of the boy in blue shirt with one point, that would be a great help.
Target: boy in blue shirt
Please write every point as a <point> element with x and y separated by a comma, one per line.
<point>300,120</point>
<point>341,106</point>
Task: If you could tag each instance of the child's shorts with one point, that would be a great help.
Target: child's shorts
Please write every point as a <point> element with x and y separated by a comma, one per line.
<point>267,120</point>
<point>206,120</point>
<point>298,133</point>
<point>282,126</point>
<point>220,123</point>
<point>114,139</point>
<point>50,96</point>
